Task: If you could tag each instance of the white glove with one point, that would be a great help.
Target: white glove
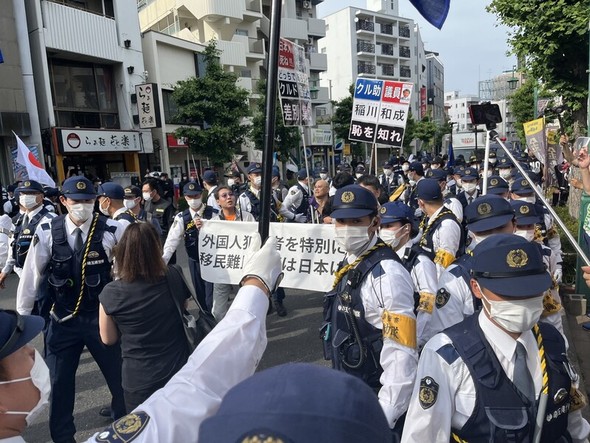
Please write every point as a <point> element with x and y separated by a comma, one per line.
<point>264,264</point>
<point>300,218</point>
<point>558,275</point>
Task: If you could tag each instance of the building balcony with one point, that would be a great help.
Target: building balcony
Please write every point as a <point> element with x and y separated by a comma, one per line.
<point>246,83</point>
<point>386,28</point>
<point>404,31</point>
<point>317,62</point>
<point>316,27</point>
<point>404,71</point>
<point>294,29</point>
<point>404,51</point>
<point>214,10</point>
<point>320,95</point>
<point>231,53</point>
<point>366,68</point>
<point>265,25</point>
<point>364,46</point>
<point>253,48</point>
<point>365,26</point>
<point>253,10</point>
<point>386,51</point>
<point>388,70</point>
<point>80,32</point>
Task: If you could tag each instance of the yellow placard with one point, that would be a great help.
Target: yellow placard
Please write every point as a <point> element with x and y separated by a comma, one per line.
<point>346,149</point>
<point>534,126</point>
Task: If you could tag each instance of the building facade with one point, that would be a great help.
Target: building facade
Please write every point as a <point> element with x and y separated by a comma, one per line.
<point>435,88</point>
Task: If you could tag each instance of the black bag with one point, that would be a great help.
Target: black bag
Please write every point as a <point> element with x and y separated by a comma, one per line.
<point>195,327</point>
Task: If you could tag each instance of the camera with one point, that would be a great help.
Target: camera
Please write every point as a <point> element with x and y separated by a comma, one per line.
<point>485,114</point>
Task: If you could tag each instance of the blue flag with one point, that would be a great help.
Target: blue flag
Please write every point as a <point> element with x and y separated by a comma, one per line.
<point>1,58</point>
<point>451,159</point>
<point>434,11</point>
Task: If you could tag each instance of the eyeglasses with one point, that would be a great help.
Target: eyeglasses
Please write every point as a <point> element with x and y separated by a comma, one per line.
<point>229,194</point>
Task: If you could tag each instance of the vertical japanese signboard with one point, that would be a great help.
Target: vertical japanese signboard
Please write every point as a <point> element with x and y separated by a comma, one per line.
<point>294,85</point>
<point>380,111</point>
<point>148,106</point>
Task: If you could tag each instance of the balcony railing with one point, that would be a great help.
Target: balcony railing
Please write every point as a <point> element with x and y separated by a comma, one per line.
<point>388,70</point>
<point>404,51</point>
<point>404,31</point>
<point>387,49</point>
<point>404,71</point>
<point>364,46</point>
<point>365,25</point>
<point>387,29</point>
<point>365,68</point>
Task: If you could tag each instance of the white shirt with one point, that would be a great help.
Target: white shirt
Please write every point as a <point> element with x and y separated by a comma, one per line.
<point>211,202</point>
<point>244,202</point>
<point>17,439</point>
<point>455,205</point>
<point>228,355</point>
<point>6,228</point>
<point>447,236</point>
<point>456,395</point>
<point>11,260</point>
<point>40,253</point>
<point>292,201</point>
<point>124,223</point>
<point>176,232</point>
<point>393,291</point>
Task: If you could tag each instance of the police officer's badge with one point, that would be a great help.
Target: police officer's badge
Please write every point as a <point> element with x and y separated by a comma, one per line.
<point>524,183</point>
<point>80,186</point>
<point>347,197</point>
<point>494,182</point>
<point>517,258</point>
<point>26,231</point>
<point>383,210</point>
<point>428,392</point>
<point>524,209</point>
<point>294,191</point>
<point>126,429</point>
<point>442,297</point>
<point>484,208</point>
<point>26,184</point>
<point>191,186</point>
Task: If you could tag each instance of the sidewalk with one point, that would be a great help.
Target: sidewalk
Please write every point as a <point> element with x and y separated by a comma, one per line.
<point>579,351</point>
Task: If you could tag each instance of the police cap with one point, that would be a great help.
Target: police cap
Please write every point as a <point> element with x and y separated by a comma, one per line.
<point>428,190</point>
<point>17,330</point>
<point>353,201</point>
<point>387,165</point>
<point>360,168</point>
<point>504,162</point>
<point>417,168</point>
<point>510,266</point>
<point>396,211</point>
<point>209,176</point>
<point>30,186</point>
<point>436,174</point>
<point>521,186</point>
<point>276,172</point>
<point>323,170</point>
<point>497,185</point>
<point>132,192</point>
<point>302,174</point>
<point>488,212</point>
<point>254,168</point>
<point>111,190</point>
<point>78,188</point>
<point>525,213</point>
<point>298,402</point>
<point>192,189</point>
<point>469,174</point>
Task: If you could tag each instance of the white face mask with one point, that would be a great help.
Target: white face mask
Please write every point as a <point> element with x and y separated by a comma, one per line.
<point>493,161</point>
<point>489,173</point>
<point>29,201</point>
<point>81,211</point>
<point>104,211</point>
<point>505,173</point>
<point>530,199</point>
<point>358,175</point>
<point>129,203</point>
<point>195,203</point>
<point>515,316</point>
<point>405,168</point>
<point>231,182</point>
<point>388,172</point>
<point>434,167</point>
<point>353,239</point>
<point>40,379</point>
<point>323,176</point>
<point>389,236</point>
<point>475,239</point>
<point>147,196</point>
<point>469,187</point>
<point>527,234</point>
<point>258,181</point>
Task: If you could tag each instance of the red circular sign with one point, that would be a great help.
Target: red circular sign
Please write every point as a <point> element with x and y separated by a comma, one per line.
<point>73,140</point>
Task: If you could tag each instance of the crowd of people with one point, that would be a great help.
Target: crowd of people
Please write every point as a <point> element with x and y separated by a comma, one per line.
<point>444,321</point>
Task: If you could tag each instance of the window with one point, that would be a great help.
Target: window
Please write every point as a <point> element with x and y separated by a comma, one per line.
<point>84,94</point>
<point>170,107</point>
<point>243,32</point>
<point>101,7</point>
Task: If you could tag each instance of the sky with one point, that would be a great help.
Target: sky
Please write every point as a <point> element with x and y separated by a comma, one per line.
<point>472,45</point>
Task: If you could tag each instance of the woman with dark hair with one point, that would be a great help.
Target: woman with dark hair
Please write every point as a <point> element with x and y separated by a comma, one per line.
<point>138,307</point>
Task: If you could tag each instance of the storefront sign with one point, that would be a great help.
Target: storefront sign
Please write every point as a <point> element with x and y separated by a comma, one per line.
<point>321,137</point>
<point>89,140</point>
<point>176,142</point>
<point>148,105</point>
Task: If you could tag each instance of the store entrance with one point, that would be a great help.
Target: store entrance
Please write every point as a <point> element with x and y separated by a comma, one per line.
<point>96,167</point>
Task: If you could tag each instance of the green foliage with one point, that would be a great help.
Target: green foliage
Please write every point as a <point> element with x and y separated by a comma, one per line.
<point>287,138</point>
<point>216,104</point>
<point>343,115</point>
<point>522,107</point>
<point>569,253</point>
<point>552,38</point>
<point>441,131</point>
<point>425,131</point>
<point>409,133</point>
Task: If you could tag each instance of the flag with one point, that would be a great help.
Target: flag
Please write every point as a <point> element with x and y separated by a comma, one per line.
<point>434,11</point>
<point>451,153</point>
<point>34,169</point>
<point>1,57</point>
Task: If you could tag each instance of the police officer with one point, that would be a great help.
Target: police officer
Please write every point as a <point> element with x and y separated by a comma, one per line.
<point>389,180</point>
<point>450,201</point>
<point>30,198</point>
<point>295,207</point>
<point>442,236</point>
<point>279,190</point>
<point>504,167</point>
<point>398,229</point>
<point>498,186</point>
<point>74,253</point>
<point>110,203</point>
<point>210,183</point>
<point>324,175</point>
<point>156,207</point>
<point>499,375</point>
<point>359,171</point>
<point>415,174</point>
<point>249,200</point>
<point>186,227</point>
<point>369,325</point>
<point>454,301</point>
<point>469,191</point>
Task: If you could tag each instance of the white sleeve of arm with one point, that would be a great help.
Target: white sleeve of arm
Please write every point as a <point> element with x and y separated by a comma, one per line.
<point>424,279</point>
<point>6,250</point>
<point>228,355</point>
<point>174,237</point>
<point>578,427</point>
<point>37,258</point>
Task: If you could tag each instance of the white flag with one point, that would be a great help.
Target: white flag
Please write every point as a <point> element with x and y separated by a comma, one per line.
<point>34,169</point>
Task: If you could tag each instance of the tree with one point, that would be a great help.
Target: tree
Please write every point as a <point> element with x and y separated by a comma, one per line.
<point>342,114</point>
<point>409,133</point>
<point>425,131</point>
<point>441,131</point>
<point>215,107</point>
<point>522,107</point>
<point>552,38</point>
<point>287,138</point>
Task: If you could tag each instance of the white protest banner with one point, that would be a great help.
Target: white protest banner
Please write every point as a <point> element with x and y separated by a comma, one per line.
<point>309,253</point>
<point>294,92</point>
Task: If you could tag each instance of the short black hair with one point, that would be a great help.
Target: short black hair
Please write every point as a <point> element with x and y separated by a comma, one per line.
<point>154,184</point>
<point>342,179</point>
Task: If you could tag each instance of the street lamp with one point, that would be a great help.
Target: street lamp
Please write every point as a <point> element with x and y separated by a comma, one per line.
<point>513,81</point>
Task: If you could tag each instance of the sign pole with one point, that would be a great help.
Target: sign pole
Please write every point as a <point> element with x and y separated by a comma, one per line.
<point>302,132</point>
<point>269,124</point>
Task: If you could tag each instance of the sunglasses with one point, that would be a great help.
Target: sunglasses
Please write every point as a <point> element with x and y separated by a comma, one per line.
<point>229,194</point>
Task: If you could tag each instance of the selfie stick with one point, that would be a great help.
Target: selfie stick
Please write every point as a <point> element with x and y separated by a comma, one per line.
<point>493,135</point>
<point>485,162</point>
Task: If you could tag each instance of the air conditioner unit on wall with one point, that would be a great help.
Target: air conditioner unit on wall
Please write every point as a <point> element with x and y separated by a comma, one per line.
<point>306,5</point>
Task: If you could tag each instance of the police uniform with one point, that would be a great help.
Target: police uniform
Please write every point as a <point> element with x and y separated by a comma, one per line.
<point>498,186</point>
<point>472,383</point>
<point>442,237</point>
<point>249,200</point>
<point>116,192</point>
<point>464,197</point>
<point>184,227</point>
<point>389,181</point>
<point>225,357</point>
<point>449,201</point>
<point>372,307</point>
<point>54,258</point>
<point>212,206</point>
<point>504,167</point>
<point>296,203</point>
<point>24,230</point>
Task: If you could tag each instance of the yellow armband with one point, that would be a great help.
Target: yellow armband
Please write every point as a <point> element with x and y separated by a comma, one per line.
<point>444,258</point>
<point>399,328</point>
<point>426,303</point>
<point>550,305</point>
